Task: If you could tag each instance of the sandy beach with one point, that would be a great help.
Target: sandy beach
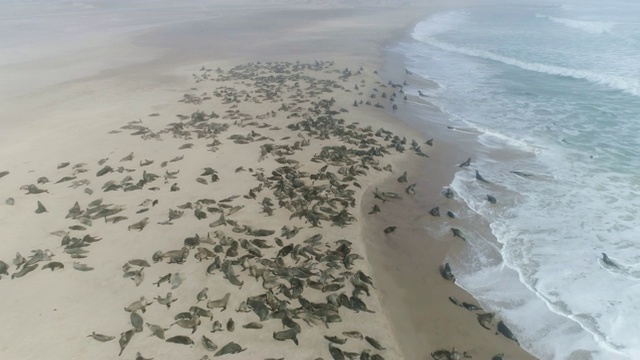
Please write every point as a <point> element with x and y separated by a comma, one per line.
<point>257,190</point>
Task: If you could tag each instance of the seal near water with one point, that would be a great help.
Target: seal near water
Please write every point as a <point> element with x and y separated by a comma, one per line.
<point>485,320</point>
<point>504,330</point>
<point>491,199</point>
<point>458,233</point>
<point>448,193</point>
<point>608,261</point>
<point>480,178</point>
<point>445,271</point>
<point>466,163</point>
<point>435,211</point>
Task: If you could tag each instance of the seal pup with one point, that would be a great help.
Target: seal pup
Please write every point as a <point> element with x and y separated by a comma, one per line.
<point>101,337</point>
<point>608,261</point>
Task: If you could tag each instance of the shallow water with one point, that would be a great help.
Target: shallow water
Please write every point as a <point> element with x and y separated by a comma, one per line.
<point>554,92</point>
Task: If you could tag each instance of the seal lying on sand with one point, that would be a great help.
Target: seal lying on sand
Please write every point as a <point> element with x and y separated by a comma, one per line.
<point>445,271</point>
<point>504,330</point>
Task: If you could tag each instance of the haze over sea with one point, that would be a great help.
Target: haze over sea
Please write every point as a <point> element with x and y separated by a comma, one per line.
<point>553,89</point>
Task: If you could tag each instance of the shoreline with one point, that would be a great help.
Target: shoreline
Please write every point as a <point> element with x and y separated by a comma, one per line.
<point>409,258</point>
<point>68,139</point>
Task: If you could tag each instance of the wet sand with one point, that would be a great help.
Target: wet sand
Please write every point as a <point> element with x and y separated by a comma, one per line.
<point>225,154</point>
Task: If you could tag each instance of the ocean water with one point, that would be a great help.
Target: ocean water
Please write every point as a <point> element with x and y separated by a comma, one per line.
<point>553,90</point>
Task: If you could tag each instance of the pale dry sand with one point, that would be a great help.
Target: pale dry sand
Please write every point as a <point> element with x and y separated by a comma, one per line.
<point>51,313</point>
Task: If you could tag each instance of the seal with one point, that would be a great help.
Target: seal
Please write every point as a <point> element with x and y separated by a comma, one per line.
<point>41,209</point>
<point>485,320</point>
<point>230,348</point>
<point>180,339</point>
<point>504,330</point>
<point>480,178</point>
<point>289,334</point>
<point>101,337</point>
<point>54,265</point>
<point>157,331</point>
<point>3,268</point>
<point>136,321</point>
<point>25,270</point>
<point>220,303</point>
<point>403,177</point>
<point>125,337</point>
<point>390,229</point>
<point>445,271</point>
<point>491,199</point>
<point>435,211</point>
<point>374,343</point>
<point>608,261</point>
<point>458,233</point>
<point>202,295</point>
<point>208,344</point>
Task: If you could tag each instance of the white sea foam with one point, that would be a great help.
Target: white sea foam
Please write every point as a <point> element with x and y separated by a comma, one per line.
<point>579,143</point>
<point>628,85</point>
<point>592,27</point>
<point>438,24</point>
